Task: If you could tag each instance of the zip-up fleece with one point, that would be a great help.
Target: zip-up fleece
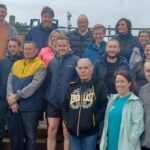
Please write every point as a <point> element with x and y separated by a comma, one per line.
<point>84,107</point>
<point>25,80</point>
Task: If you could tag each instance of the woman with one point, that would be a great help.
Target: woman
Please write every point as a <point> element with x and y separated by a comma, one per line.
<point>123,123</point>
<point>138,53</point>
<point>126,40</point>
<point>47,54</point>
<point>144,94</point>
<point>138,68</point>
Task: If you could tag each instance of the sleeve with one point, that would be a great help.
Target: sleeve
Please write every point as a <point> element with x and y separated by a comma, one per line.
<point>138,122</point>
<point>65,106</point>
<point>37,81</point>
<point>9,84</point>
<point>29,36</point>
<point>102,101</point>
<point>12,32</point>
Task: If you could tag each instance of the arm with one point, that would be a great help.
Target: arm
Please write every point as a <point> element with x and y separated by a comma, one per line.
<point>138,123</point>
<point>37,81</point>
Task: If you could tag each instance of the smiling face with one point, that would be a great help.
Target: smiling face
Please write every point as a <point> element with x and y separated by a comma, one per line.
<point>3,14</point>
<point>122,27</point>
<point>98,35</point>
<point>112,48</point>
<point>147,51</point>
<point>122,85</point>
<point>13,47</point>
<point>147,70</point>
<point>143,38</point>
<point>46,20</point>
<point>82,23</point>
<point>62,46</point>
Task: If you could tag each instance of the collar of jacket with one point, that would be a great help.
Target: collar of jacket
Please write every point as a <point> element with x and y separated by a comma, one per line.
<point>27,61</point>
<point>48,28</point>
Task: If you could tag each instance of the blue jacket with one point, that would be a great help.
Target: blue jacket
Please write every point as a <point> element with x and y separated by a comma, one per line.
<point>101,66</point>
<point>93,52</point>
<point>5,68</point>
<point>78,42</point>
<point>40,35</point>
<point>26,82</point>
<point>61,71</point>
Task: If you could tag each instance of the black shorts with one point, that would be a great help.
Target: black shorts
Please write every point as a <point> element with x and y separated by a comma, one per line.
<point>53,112</point>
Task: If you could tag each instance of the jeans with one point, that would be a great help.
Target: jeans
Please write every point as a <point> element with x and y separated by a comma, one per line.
<point>3,110</point>
<point>83,143</point>
<point>30,123</point>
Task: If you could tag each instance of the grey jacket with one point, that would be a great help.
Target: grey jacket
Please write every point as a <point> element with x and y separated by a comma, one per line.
<point>144,94</point>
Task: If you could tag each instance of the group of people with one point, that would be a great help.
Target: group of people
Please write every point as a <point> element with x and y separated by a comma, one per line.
<point>97,90</point>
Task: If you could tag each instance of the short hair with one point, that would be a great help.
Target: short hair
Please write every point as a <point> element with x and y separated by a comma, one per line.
<point>147,43</point>
<point>83,15</point>
<point>113,39</point>
<point>144,31</point>
<point>63,37</point>
<point>31,42</point>
<point>3,6</point>
<point>15,40</point>
<point>47,10</point>
<point>85,59</point>
<point>128,22</point>
<point>99,26</point>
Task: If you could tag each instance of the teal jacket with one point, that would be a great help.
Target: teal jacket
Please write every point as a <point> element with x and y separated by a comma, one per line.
<point>132,124</point>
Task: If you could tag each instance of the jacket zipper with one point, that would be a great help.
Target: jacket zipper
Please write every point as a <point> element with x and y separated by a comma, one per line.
<point>79,114</point>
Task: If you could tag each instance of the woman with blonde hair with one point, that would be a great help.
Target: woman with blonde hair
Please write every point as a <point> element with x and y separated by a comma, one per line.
<point>47,53</point>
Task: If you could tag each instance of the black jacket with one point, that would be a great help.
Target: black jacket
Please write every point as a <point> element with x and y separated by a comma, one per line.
<point>84,107</point>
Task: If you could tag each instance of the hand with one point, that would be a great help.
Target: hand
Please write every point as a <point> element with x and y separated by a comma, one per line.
<point>11,99</point>
<point>14,108</point>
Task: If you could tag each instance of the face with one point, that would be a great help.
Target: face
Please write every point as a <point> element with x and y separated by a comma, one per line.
<point>13,47</point>
<point>46,20</point>
<point>98,35</point>
<point>3,14</point>
<point>84,70</point>
<point>62,47</point>
<point>112,49</point>
<point>82,23</point>
<point>53,38</point>
<point>30,51</point>
<point>122,85</point>
<point>147,70</point>
<point>122,27</point>
<point>143,38</point>
<point>147,52</point>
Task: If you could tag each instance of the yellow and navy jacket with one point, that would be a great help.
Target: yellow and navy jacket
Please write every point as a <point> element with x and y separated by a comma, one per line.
<point>26,81</point>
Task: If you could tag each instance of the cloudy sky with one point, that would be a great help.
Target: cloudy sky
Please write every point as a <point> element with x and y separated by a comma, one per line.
<point>106,12</point>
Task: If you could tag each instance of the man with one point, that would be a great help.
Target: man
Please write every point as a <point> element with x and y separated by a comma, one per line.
<point>84,107</point>
<point>109,63</point>
<point>61,71</point>
<point>6,31</point>
<point>25,91</point>
<point>80,37</point>
<point>14,54</point>
<point>39,34</point>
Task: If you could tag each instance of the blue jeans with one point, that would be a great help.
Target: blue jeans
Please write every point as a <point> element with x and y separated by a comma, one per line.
<point>83,143</point>
<point>30,123</point>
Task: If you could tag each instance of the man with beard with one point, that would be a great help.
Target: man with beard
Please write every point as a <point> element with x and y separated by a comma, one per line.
<point>109,63</point>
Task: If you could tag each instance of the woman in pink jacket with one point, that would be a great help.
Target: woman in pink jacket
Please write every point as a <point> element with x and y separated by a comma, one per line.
<point>47,53</point>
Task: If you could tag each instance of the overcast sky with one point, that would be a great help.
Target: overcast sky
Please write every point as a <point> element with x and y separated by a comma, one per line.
<point>106,12</point>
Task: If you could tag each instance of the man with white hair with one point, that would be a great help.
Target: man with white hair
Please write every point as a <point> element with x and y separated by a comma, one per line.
<point>84,107</point>
<point>80,37</point>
